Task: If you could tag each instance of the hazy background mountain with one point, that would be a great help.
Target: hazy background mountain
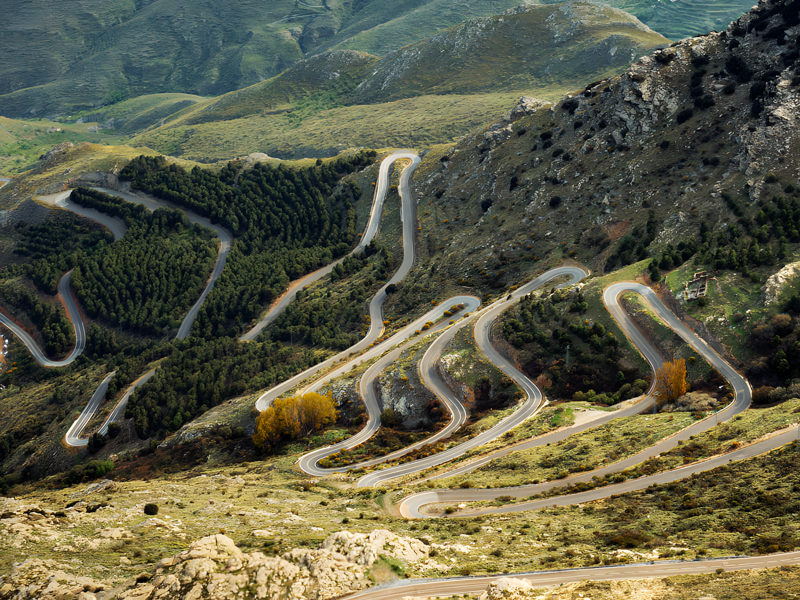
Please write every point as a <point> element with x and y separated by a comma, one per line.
<point>429,92</point>
<point>61,58</point>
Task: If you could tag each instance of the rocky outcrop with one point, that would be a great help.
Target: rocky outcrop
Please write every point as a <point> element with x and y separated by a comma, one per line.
<point>214,567</point>
<point>400,388</point>
<point>777,282</point>
<point>364,549</point>
<point>507,588</point>
<point>692,402</point>
<point>57,150</point>
<point>527,105</point>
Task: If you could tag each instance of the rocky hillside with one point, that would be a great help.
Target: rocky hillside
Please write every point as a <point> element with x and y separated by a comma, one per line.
<point>211,567</point>
<point>700,132</point>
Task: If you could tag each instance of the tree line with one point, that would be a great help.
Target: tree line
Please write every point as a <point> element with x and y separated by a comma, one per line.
<point>148,280</point>
<point>199,374</point>
<point>336,319</point>
<point>286,221</point>
<point>588,370</point>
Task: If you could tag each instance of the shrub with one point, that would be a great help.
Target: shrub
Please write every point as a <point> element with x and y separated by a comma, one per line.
<point>570,105</point>
<point>555,201</point>
<point>389,417</point>
<point>486,204</point>
<point>151,509</point>
<point>757,90</point>
<point>771,178</point>
<point>736,66</point>
<point>91,470</point>
<point>704,102</point>
<point>664,58</point>
<point>685,115</point>
<point>114,429</point>
<point>762,394</point>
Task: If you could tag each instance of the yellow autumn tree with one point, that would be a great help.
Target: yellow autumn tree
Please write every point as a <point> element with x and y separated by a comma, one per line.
<point>671,381</point>
<point>316,412</point>
<point>269,430</point>
<point>294,417</point>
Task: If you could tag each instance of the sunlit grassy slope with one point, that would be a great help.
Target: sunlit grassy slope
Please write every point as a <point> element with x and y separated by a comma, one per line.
<point>429,92</point>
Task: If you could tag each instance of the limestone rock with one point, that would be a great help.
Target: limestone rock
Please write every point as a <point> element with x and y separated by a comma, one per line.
<point>507,588</point>
<point>364,549</point>
<point>527,105</point>
<point>777,281</point>
<point>214,567</point>
<point>692,402</point>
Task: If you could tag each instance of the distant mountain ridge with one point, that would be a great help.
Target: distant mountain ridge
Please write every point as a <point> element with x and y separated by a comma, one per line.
<point>76,55</point>
<point>341,99</point>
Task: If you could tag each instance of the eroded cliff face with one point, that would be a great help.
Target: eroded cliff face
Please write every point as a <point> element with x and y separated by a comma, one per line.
<point>680,133</point>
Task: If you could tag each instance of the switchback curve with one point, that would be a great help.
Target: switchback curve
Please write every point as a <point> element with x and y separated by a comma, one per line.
<point>412,506</point>
<point>77,324</point>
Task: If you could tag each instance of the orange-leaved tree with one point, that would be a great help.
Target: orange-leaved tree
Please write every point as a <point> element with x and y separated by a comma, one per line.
<point>269,430</point>
<point>294,417</point>
<point>671,381</point>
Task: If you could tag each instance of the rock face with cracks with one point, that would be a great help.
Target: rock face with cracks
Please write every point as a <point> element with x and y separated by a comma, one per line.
<point>214,567</point>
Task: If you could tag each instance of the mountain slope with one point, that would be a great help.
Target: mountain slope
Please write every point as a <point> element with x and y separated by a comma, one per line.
<point>334,100</point>
<point>72,56</point>
<point>676,158</point>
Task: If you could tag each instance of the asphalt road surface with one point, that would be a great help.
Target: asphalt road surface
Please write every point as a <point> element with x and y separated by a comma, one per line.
<point>412,506</point>
<point>118,229</point>
<point>62,200</point>
<point>72,438</point>
<point>429,376</point>
<point>408,215</point>
<point>308,462</point>
<point>381,189</point>
<point>475,585</point>
<point>77,323</point>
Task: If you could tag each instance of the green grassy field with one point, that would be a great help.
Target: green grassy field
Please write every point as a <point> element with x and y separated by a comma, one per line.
<point>23,142</point>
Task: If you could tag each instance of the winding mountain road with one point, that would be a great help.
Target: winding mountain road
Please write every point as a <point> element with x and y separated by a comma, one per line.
<point>225,241</point>
<point>378,199</point>
<point>118,228</point>
<point>427,368</point>
<point>77,324</point>
<point>413,506</point>
<point>62,200</point>
<point>408,216</point>
<point>456,586</point>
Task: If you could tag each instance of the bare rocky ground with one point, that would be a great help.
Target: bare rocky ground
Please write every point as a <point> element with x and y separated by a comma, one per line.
<point>211,567</point>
